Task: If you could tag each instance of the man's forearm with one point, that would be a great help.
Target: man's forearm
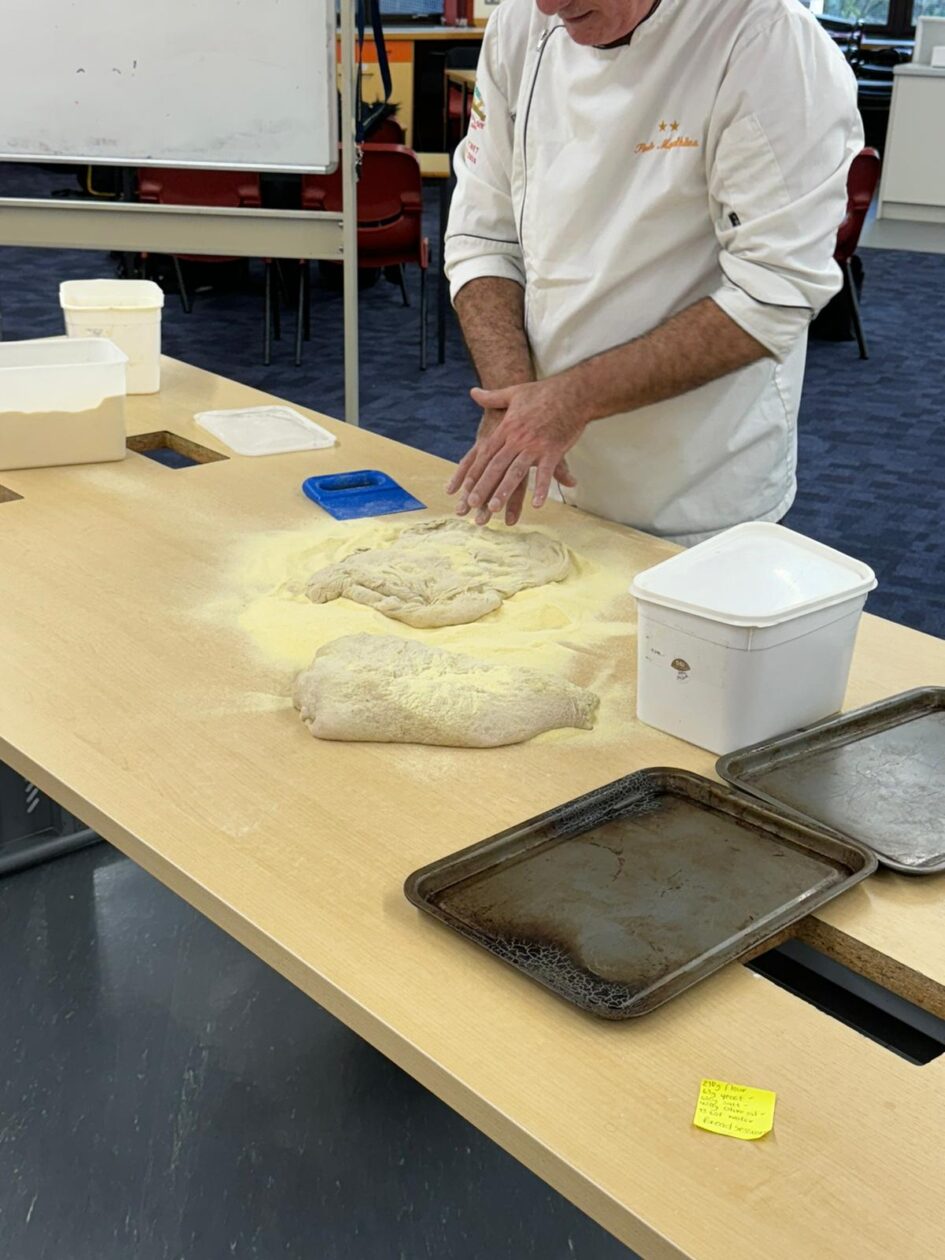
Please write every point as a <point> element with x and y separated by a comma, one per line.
<point>697,346</point>
<point>491,314</point>
<point>533,424</point>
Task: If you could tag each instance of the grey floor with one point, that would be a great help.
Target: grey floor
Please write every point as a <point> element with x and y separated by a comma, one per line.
<point>165,1096</point>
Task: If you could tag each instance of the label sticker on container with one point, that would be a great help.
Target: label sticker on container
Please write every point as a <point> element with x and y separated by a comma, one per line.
<point>737,1111</point>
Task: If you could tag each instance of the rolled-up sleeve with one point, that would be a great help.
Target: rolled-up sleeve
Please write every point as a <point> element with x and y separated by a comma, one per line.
<point>481,237</point>
<point>783,133</point>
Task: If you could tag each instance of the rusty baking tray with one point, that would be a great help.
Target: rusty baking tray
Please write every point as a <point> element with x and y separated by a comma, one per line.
<point>875,776</point>
<point>623,898</point>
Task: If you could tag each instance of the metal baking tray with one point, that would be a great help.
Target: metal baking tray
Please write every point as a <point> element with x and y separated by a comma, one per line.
<point>875,776</point>
<point>623,898</point>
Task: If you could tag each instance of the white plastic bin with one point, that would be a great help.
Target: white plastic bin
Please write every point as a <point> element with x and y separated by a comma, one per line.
<point>127,312</point>
<point>746,636</point>
<point>61,402</point>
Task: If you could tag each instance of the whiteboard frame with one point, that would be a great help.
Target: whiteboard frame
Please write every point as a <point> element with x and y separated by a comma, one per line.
<point>176,163</point>
<point>248,232</point>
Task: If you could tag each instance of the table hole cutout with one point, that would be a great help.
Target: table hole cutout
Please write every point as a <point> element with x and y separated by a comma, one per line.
<point>910,1031</point>
<point>8,496</point>
<point>171,450</point>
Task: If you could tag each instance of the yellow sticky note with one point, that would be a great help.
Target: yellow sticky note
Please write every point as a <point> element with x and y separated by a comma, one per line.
<point>738,1111</point>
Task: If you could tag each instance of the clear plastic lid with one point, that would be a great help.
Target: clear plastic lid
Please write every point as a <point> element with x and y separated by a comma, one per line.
<point>754,575</point>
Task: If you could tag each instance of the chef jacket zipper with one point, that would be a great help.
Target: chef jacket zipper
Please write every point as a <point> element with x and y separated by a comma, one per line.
<point>542,44</point>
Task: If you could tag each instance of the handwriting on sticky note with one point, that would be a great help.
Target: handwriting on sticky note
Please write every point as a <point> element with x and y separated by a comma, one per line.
<point>738,1111</point>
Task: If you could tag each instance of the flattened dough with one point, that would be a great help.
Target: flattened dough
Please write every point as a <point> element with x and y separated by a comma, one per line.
<point>445,572</point>
<point>388,690</point>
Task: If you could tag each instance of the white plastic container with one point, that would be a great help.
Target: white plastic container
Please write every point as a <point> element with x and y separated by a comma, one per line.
<point>61,402</point>
<point>746,636</point>
<point>127,312</point>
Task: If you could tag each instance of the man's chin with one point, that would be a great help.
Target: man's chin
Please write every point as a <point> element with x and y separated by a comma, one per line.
<point>582,33</point>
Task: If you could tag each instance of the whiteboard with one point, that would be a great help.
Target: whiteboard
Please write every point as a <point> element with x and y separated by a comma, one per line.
<point>231,84</point>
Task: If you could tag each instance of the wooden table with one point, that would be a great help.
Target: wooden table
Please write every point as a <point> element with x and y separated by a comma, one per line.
<point>124,701</point>
<point>434,165</point>
<point>466,79</point>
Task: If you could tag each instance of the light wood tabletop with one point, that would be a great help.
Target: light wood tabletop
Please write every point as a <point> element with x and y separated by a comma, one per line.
<point>434,165</point>
<point>465,78</point>
<point>135,705</point>
<point>420,32</point>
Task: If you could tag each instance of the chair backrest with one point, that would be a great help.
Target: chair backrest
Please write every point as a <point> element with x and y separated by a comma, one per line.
<point>387,131</point>
<point>390,185</point>
<point>188,187</point>
<point>861,184</point>
<point>463,58</point>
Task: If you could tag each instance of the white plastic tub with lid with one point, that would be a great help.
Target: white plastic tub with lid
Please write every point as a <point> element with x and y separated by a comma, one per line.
<point>127,312</point>
<point>61,402</point>
<point>747,635</point>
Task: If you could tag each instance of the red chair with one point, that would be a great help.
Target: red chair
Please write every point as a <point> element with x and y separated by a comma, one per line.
<point>861,185</point>
<point>190,187</point>
<point>457,118</point>
<point>390,224</point>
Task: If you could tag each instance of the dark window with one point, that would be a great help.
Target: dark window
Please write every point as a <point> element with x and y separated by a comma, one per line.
<point>894,19</point>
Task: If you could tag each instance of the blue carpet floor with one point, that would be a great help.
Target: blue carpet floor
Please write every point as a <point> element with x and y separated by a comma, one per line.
<point>872,442</point>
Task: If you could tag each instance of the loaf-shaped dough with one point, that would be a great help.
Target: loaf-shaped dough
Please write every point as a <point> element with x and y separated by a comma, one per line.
<point>389,690</point>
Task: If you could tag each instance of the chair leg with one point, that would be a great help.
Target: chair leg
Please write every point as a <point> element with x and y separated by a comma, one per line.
<point>402,281</point>
<point>300,320</point>
<point>181,287</point>
<point>423,319</point>
<point>280,280</point>
<point>445,190</point>
<point>267,315</point>
<point>275,303</point>
<point>307,329</point>
<point>850,287</point>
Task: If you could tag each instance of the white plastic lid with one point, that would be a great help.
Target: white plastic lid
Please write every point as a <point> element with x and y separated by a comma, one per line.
<point>269,430</point>
<point>59,352</point>
<point>754,575</point>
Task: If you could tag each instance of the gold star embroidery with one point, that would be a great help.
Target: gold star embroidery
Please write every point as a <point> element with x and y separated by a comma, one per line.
<point>662,126</point>
<point>674,126</point>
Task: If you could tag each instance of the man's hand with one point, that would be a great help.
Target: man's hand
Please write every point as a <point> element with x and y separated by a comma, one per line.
<point>513,508</point>
<point>537,425</point>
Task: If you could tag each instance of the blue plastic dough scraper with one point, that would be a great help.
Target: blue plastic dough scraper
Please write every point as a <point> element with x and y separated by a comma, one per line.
<point>364,493</point>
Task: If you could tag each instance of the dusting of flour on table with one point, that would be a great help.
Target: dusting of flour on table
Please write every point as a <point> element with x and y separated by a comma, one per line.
<point>580,629</point>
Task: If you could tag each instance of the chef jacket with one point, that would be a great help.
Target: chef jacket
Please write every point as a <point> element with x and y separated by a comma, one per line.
<point>707,157</point>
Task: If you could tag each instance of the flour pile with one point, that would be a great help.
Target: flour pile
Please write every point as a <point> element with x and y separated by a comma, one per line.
<point>388,690</point>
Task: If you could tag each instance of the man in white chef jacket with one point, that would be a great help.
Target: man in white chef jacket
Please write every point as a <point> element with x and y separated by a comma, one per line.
<point>643,227</point>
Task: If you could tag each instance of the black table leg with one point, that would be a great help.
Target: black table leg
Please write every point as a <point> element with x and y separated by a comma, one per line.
<point>441,276</point>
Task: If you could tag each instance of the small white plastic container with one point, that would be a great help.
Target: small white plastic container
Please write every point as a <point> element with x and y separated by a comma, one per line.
<point>61,402</point>
<point>746,636</point>
<point>127,312</point>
